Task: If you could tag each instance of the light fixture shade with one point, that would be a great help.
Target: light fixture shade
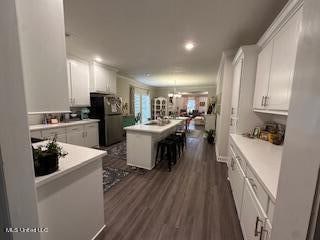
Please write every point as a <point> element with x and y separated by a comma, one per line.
<point>170,94</point>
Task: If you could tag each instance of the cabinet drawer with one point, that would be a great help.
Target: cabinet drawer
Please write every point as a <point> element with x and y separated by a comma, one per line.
<point>54,131</point>
<point>258,190</point>
<point>233,152</point>
<point>270,211</point>
<point>36,134</point>
<point>77,128</point>
<point>91,125</point>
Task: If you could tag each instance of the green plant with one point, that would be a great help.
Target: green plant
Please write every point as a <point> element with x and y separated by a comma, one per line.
<point>210,135</point>
<point>51,148</point>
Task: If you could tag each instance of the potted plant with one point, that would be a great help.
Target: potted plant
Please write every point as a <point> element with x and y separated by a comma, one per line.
<point>210,136</point>
<point>46,157</point>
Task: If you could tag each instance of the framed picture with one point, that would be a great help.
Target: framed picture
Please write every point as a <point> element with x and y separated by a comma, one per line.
<point>256,132</point>
<point>202,104</point>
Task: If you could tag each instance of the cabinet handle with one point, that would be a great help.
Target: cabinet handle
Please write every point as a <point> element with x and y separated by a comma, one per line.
<point>253,185</point>
<point>232,164</point>
<point>256,232</point>
<point>262,101</point>
<point>266,101</point>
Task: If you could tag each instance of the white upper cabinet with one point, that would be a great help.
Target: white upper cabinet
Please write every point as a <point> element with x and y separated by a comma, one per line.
<point>262,77</point>
<point>283,61</point>
<point>78,73</point>
<point>43,54</point>
<point>276,64</point>
<point>236,87</point>
<point>103,79</point>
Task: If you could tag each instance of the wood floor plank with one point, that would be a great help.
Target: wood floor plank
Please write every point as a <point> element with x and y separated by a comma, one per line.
<point>193,201</point>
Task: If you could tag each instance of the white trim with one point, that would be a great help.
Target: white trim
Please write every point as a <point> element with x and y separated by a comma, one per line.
<point>48,112</point>
<point>282,113</point>
<point>100,234</point>
<point>286,13</point>
<point>222,159</point>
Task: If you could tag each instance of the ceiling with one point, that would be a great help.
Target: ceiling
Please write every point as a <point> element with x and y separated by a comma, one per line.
<point>142,37</point>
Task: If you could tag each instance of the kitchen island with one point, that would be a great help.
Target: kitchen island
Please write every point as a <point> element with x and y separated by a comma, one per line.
<point>70,200</point>
<point>142,140</point>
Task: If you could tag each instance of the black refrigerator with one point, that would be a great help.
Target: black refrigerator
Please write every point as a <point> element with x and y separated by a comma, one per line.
<point>107,108</point>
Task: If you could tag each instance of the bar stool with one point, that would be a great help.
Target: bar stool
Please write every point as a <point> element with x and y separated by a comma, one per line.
<point>182,134</point>
<point>169,148</point>
<point>179,142</point>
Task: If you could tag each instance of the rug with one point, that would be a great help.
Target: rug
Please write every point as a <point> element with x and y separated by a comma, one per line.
<point>116,151</point>
<point>112,176</point>
<point>194,133</point>
<point>136,170</point>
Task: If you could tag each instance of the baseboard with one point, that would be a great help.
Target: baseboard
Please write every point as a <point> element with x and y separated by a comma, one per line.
<point>222,159</point>
<point>100,234</point>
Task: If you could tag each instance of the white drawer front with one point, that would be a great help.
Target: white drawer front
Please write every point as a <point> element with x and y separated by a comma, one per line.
<point>258,189</point>
<point>234,152</point>
<point>36,134</point>
<point>53,131</point>
<point>270,211</point>
<point>77,128</point>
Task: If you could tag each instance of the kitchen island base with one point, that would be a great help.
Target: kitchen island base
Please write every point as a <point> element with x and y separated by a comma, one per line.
<point>142,141</point>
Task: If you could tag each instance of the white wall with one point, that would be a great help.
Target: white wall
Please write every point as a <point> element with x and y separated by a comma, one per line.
<point>123,87</point>
<point>301,155</point>
<point>14,135</point>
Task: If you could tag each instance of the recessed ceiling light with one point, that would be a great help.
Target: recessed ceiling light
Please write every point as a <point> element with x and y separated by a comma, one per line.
<point>98,59</point>
<point>189,46</point>
<point>148,74</point>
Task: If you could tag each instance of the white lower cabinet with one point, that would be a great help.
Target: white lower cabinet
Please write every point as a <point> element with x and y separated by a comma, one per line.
<point>75,135</point>
<point>91,135</point>
<point>86,135</point>
<point>236,178</point>
<point>253,204</point>
<point>252,216</point>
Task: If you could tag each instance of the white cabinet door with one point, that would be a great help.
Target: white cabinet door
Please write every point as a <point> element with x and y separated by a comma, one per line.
<point>283,62</point>
<point>100,79</point>
<point>75,135</point>
<point>252,216</point>
<point>79,83</point>
<point>236,177</point>
<point>237,73</point>
<point>91,135</point>
<point>262,76</point>
<point>112,82</point>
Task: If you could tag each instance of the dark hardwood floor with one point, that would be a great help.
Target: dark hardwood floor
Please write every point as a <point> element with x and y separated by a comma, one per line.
<point>193,201</point>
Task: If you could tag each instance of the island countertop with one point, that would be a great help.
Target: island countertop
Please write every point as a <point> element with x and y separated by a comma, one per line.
<point>154,128</point>
<point>76,158</point>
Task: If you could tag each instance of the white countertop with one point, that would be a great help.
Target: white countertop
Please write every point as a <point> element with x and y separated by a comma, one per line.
<point>58,125</point>
<point>264,159</point>
<point>154,128</point>
<point>77,157</point>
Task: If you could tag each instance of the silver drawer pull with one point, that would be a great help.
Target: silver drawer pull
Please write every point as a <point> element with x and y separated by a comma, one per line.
<point>253,185</point>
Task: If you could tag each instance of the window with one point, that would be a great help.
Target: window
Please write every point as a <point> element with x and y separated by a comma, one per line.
<point>146,108</point>
<point>191,105</point>
<point>142,104</point>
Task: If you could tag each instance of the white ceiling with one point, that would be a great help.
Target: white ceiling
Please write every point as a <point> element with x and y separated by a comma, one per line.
<point>147,36</point>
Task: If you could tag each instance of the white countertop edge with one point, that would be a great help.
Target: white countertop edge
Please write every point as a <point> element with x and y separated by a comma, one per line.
<point>154,128</point>
<point>272,194</point>
<point>42,180</point>
<point>60,125</point>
